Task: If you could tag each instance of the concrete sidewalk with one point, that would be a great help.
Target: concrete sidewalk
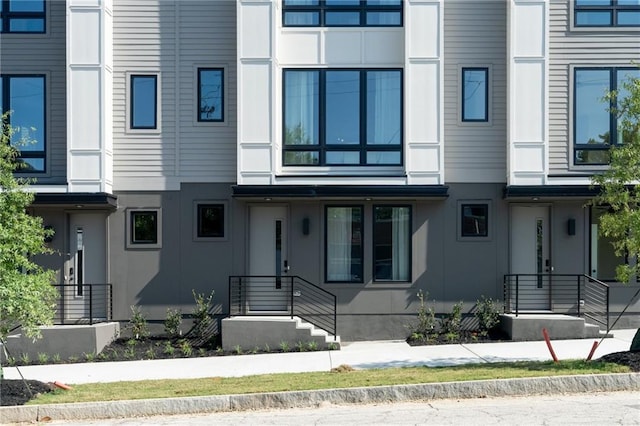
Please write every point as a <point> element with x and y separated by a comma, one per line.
<point>359,355</point>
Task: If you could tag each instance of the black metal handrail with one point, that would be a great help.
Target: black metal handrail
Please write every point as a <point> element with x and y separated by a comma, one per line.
<point>569,294</point>
<point>259,295</point>
<point>83,304</point>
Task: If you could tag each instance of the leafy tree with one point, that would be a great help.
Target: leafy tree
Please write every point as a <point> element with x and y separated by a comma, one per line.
<point>620,183</point>
<point>27,297</point>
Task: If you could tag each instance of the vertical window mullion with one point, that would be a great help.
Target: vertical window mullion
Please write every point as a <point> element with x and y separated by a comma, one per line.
<point>322,100</point>
<point>363,117</point>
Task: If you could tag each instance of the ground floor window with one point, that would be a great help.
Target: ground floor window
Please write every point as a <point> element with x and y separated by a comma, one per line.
<point>391,243</point>
<point>344,244</point>
<point>144,228</point>
<point>603,258</point>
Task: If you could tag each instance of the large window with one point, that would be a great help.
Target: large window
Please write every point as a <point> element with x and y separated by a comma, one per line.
<point>144,101</point>
<point>210,94</point>
<point>595,125</point>
<point>606,13</point>
<point>344,244</point>
<point>22,16</point>
<point>342,13</point>
<point>342,117</point>
<point>24,97</point>
<point>210,220</point>
<point>391,243</point>
<point>475,94</point>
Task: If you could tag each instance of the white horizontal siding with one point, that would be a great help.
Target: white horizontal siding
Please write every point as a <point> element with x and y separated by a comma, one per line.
<point>475,35</point>
<point>606,48</point>
<point>174,38</point>
<point>45,54</point>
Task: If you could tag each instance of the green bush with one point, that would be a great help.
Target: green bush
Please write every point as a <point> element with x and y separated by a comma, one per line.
<point>488,314</point>
<point>173,322</point>
<point>452,322</point>
<point>202,321</point>
<point>426,325</point>
<point>138,323</point>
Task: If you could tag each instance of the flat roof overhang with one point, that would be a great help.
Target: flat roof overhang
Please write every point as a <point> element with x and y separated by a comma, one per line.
<point>432,192</point>
<point>88,200</point>
<point>549,192</point>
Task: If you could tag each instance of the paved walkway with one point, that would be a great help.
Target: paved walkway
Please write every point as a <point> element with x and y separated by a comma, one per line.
<point>359,355</point>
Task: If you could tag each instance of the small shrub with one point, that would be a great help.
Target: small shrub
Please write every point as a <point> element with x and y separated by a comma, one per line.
<point>219,350</point>
<point>452,322</point>
<point>237,350</point>
<point>267,348</point>
<point>488,314</point>
<point>202,352</point>
<point>202,320</point>
<point>73,359</point>
<point>11,361</point>
<point>284,346</point>
<point>150,353</point>
<point>186,348</point>
<point>425,328</point>
<point>332,346</point>
<point>173,322</point>
<point>89,357</point>
<point>131,343</point>
<point>168,348</point>
<point>102,356</point>
<point>138,323</point>
<point>56,358</point>
<point>43,358</point>
<point>312,346</point>
<point>25,359</point>
<point>301,347</point>
<point>129,353</point>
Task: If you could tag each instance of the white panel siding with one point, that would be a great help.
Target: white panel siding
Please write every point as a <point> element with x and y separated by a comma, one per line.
<point>475,35</point>
<point>174,38</point>
<point>578,48</point>
<point>45,54</point>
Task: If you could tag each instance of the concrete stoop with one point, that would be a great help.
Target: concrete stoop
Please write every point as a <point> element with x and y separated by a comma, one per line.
<point>249,332</point>
<point>526,327</point>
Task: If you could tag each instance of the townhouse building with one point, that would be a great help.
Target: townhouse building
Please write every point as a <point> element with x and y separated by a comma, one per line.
<point>371,148</point>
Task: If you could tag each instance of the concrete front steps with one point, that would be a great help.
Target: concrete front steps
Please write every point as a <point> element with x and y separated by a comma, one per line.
<point>528,326</point>
<point>250,332</point>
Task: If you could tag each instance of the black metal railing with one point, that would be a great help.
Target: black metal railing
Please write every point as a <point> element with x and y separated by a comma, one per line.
<point>569,294</point>
<point>83,304</point>
<point>289,295</point>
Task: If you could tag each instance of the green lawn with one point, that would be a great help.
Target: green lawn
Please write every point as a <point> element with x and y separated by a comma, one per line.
<point>341,377</point>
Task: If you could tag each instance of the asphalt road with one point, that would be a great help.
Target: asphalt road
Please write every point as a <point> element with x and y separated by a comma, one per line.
<point>615,408</point>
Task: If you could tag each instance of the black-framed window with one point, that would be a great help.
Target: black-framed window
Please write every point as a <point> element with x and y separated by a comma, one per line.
<point>606,13</point>
<point>22,16</point>
<point>595,126</point>
<point>144,227</point>
<point>342,13</point>
<point>344,244</point>
<point>211,94</point>
<point>474,220</point>
<point>144,101</point>
<point>24,97</point>
<point>210,219</point>
<point>392,243</point>
<point>475,94</point>
<point>342,117</point>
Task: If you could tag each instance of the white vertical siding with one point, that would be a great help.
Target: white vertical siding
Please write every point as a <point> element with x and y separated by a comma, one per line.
<point>174,38</point>
<point>475,35</point>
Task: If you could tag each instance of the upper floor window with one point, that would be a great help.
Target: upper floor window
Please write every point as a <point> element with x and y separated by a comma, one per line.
<point>342,117</point>
<point>342,13</point>
<point>595,125</point>
<point>144,101</point>
<point>607,13</point>
<point>475,94</point>
<point>24,97</point>
<point>22,16</point>
<point>210,94</point>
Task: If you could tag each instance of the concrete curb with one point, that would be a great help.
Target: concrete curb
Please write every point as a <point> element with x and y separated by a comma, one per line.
<point>202,404</point>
